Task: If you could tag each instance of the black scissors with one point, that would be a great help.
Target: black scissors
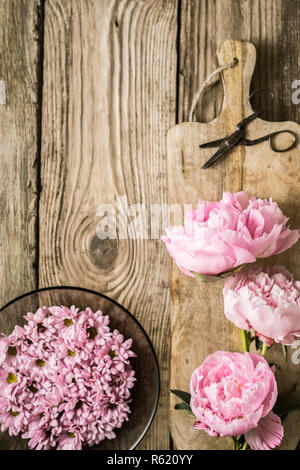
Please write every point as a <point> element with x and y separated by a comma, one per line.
<point>238,137</point>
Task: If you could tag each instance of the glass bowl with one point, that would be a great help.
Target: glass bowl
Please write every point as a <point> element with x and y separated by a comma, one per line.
<point>146,389</point>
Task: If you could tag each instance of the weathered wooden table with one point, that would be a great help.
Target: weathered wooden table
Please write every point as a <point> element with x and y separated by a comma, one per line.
<point>88,91</point>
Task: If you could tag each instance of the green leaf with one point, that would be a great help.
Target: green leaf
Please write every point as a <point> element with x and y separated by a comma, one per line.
<point>217,277</point>
<point>186,397</point>
<point>206,277</point>
<point>185,407</point>
<point>287,402</point>
<point>231,272</point>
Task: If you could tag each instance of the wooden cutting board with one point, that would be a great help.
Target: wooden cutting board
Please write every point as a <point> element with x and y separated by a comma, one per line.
<point>198,324</point>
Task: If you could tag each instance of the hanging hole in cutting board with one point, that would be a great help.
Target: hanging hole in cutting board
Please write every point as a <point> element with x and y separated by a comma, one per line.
<point>211,80</point>
<point>210,105</point>
<point>264,98</point>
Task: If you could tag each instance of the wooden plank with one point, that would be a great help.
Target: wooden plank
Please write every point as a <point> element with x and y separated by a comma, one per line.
<point>272,25</point>
<point>204,25</point>
<point>109,99</point>
<point>198,324</point>
<point>19,74</point>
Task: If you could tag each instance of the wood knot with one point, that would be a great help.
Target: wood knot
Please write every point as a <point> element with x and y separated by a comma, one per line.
<point>103,253</point>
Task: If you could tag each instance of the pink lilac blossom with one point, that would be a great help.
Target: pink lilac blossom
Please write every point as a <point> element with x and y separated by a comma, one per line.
<point>220,236</point>
<point>267,300</point>
<point>65,379</point>
<point>234,394</point>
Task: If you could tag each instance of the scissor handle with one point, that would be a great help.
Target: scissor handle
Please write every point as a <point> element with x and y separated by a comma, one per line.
<point>276,149</point>
<point>270,138</point>
<point>241,125</point>
<point>260,90</point>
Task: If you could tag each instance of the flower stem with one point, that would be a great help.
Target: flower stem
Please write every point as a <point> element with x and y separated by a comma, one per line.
<point>264,349</point>
<point>245,446</point>
<point>245,340</point>
<point>284,351</point>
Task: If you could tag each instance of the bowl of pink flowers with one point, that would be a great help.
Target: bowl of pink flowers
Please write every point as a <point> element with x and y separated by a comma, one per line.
<point>77,371</point>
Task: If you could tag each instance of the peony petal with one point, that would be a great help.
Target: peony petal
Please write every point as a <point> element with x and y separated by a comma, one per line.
<point>255,223</point>
<point>286,240</point>
<point>206,263</point>
<point>267,435</point>
<point>236,309</point>
<point>275,323</point>
<point>269,342</point>
<point>265,245</point>
<point>240,200</point>
<point>243,256</point>
<point>200,425</point>
<point>264,371</point>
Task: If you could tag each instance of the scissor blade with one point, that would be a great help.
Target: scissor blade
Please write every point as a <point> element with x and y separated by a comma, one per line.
<point>222,151</point>
<point>213,143</point>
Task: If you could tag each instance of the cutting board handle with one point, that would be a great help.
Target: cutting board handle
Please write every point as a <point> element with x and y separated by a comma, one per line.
<point>237,80</point>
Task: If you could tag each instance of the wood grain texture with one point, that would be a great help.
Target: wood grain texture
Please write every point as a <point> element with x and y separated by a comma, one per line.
<point>109,99</point>
<point>110,95</point>
<point>273,26</point>
<point>198,324</point>
<point>19,74</point>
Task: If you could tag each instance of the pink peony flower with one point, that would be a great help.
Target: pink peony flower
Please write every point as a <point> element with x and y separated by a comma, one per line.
<point>233,394</point>
<point>221,236</point>
<point>267,300</point>
<point>65,379</point>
